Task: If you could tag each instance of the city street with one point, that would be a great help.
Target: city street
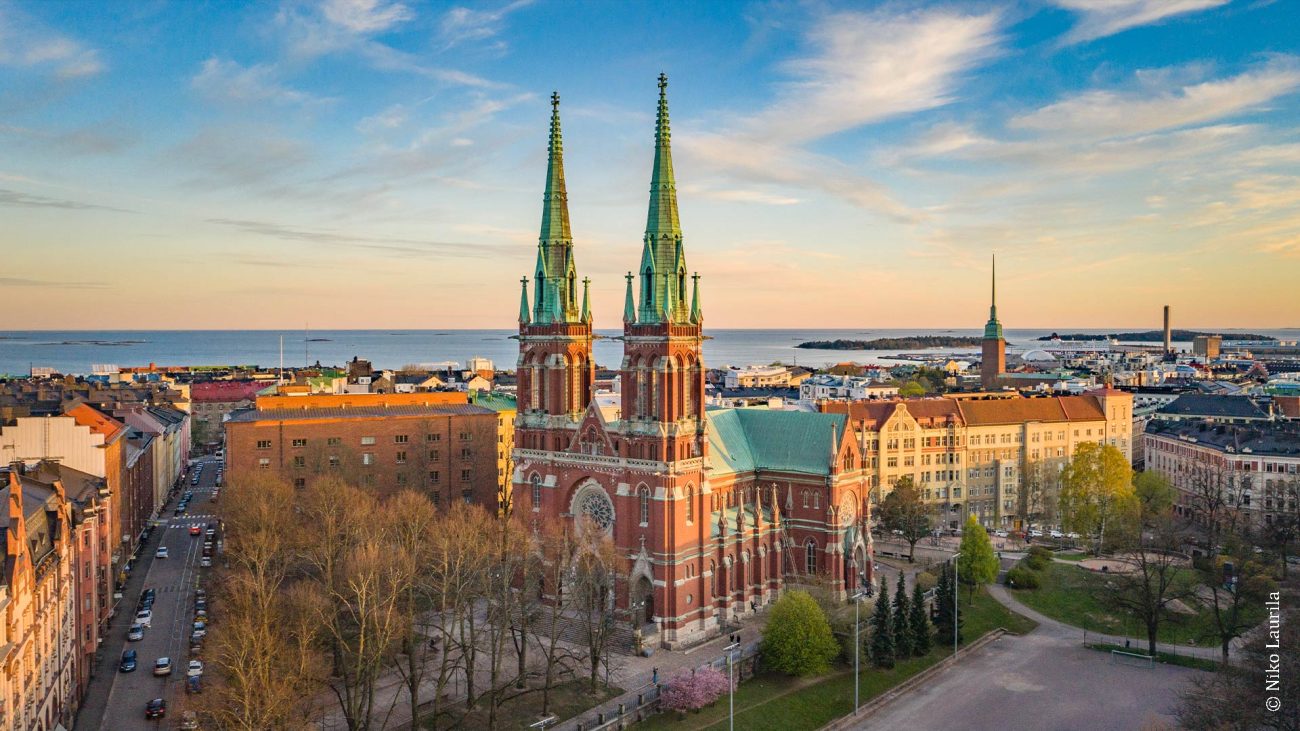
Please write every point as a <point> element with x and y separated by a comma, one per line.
<point>174,579</point>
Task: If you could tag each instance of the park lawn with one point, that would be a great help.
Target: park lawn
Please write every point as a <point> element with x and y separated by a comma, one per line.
<point>568,699</point>
<point>1071,556</point>
<point>775,702</point>
<point>1076,596</point>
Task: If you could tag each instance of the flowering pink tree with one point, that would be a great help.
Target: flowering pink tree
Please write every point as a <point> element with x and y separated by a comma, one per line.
<point>687,691</point>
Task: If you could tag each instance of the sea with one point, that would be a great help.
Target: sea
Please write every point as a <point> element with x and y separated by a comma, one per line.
<point>85,351</point>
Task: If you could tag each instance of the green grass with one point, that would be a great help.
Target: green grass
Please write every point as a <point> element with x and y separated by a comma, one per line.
<point>1167,658</point>
<point>1071,556</point>
<point>774,702</point>
<point>1076,596</point>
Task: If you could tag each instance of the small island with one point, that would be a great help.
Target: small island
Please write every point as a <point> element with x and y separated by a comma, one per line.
<point>1155,336</point>
<point>916,342</point>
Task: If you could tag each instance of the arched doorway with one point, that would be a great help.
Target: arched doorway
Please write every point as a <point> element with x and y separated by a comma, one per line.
<point>645,601</point>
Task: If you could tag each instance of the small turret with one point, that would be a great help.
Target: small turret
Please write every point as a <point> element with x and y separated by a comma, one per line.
<point>524,319</point>
<point>629,303</point>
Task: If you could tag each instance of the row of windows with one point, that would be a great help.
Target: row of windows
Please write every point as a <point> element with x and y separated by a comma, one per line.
<point>299,443</point>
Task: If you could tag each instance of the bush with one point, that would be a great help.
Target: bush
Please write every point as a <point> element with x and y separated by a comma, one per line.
<point>692,690</point>
<point>1039,558</point>
<point>798,639</point>
<point>926,580</point>
<point>1022,577</point>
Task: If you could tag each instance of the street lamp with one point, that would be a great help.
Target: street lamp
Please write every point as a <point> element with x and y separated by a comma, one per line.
<point>731,682</point>
<point>955,602</point>
<point>857,644</point>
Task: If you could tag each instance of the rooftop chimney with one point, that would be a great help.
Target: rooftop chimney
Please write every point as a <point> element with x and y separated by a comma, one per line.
<point>1167,348</point>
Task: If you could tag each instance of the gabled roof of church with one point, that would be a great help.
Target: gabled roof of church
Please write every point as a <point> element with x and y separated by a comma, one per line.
<point>750,440</point>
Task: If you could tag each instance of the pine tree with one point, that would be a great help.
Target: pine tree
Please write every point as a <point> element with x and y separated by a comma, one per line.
<point>882,630</point>
<point>946,603</point>
<point>920,622</point>
<point>902,628</point>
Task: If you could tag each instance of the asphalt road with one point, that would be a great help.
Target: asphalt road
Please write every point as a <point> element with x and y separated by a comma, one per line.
<point>174,578</point>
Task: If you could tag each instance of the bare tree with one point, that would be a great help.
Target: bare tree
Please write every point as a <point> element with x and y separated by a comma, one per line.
<point>1155,578</point>
<point>592,581</point>
<point>904,513</point>
<point>1236,581</point>
<point>558,549</point>
<point>410,520</point>
<point>1215,498</point>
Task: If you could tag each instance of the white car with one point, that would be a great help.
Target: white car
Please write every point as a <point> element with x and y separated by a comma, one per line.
<point>144,618</point>
<point>161,552</point>
<point>200,629</point>
<point>1056,534</point>
<point>195,669</point>
<point>205,562</point>
<point>162,666</point>
<point>1035,533</point>
<point>1000,533</point>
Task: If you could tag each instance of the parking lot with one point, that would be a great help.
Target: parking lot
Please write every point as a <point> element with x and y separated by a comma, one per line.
<point>174,580</point>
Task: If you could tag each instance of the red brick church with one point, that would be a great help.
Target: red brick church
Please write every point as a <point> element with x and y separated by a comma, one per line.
<point>716,510</point>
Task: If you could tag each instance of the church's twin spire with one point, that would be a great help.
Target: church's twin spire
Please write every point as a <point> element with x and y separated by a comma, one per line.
<point>663,259</point>
<point>555,289</point>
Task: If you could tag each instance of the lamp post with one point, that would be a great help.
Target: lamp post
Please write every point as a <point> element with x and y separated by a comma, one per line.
<point>857,645</point>
<point>955,602</point>
<point>731,684</point>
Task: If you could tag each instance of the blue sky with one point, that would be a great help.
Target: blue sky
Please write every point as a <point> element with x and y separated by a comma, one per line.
<point>371,163</point>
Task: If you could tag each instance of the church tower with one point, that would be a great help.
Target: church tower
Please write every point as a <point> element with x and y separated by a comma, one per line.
<point>662,379</point>
<point>555,369</point>
<point>994,362</point>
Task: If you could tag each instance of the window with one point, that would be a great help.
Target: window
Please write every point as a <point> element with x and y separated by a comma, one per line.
<point>368,458</point>
<point>466,453</point>
<point>263,443</point>
<point>433,437</point>
<point>805,498</point>
<point>433,454</point>
<point>817,500</point>
<point>367,441</point>
<point>264,463</point>
<point>300,482</point>
<point>334,460</point>
<point>466,436</point>
<point>465,475</point>
<point>401,457</point>
<point>300,442</point>
<point>810,557</point>
<point>644,495</point>
<point>434,495</point>
<point>334,441</point>
<point>467,496</point>
<point>690,505</point>
<point>433,478</point>
<point>300,461</point>
<point>400,439</point>
<point>401,478</point>
<point>536,481</point>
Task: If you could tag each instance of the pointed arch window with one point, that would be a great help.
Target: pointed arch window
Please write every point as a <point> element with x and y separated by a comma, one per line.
<point>536,481</point>
<point>690,505</point>
<point>805,498</point>
<point>810,557</point>
<point>644,496</point>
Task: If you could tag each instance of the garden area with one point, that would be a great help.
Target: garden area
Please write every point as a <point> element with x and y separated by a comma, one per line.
<point>568,699</point>
<point>777,702</point>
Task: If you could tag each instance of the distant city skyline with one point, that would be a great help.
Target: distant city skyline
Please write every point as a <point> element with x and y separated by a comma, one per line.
<point>376,164</point>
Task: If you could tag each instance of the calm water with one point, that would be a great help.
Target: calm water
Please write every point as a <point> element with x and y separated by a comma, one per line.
<point>76,351</point>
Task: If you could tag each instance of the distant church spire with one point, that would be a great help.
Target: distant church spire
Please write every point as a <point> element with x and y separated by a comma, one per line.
<point>993,328</point>
<point>663,260</point>
<point>696,315</point>
<point>629,303</point>
<point>556,278</point>
<point>523,301</point>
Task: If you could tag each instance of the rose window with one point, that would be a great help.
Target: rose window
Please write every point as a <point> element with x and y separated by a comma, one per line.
<point>596,505</point>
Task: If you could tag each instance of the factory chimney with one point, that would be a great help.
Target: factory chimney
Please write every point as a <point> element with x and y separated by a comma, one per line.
<point>1167,338</point>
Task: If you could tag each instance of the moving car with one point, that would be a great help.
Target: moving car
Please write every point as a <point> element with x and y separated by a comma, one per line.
<point>195,530</point>
<point>162,666</point>
<point>128,662</point>
<point>195,669</point>
<point>135,633</point>
<point>161,552</point>
<point>156,708</point>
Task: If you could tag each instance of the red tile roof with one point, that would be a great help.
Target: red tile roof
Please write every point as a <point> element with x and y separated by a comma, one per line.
<point>96,420</point>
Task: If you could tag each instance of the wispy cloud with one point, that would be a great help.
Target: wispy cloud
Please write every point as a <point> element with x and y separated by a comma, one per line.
<point>26,43</point>
<point>102,139</point>
<point>1100,113</point>
<point>49,283</point>
<point>1101,18</point>
<point>240,155</point>
<point>395,246</point>
<point>223,80</point>
<point>466,25</point>
<point>19,199</point>
<point>853,77</point>
<point>366,16</point>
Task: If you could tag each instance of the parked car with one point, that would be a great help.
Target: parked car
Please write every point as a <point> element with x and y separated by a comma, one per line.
<point>135,633</point>
<point>200,604</point>
<point>194,685</point>
<point>1056,534</point>
<point>144,617</point>
<point>200,615</point>
<point>128,662</point>
<point>162,666</point>
<point>195,669</point>
<point>200,629</point>
<point>189,721</point>
<point>161,552</point>
<point>156,708</point>
<point>149,594</point>
<point>1000,533</point>
<point>210,532</point>
<point>1035,533</point>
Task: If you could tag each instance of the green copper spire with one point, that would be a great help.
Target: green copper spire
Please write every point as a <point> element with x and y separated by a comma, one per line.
<point>555,295</point>
<point>523,301</point>
<point>696,316</point>
<point>586,306</point>
<point>993,328</point>
<point>629,304</point>
<point>663,262</point>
